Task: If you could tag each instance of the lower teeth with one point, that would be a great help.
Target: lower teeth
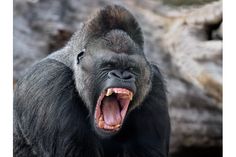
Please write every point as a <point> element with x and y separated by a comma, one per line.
<point>101,124</point>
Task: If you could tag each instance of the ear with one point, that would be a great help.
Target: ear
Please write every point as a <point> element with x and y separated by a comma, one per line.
<point>80,56</point>
<point>114,17</point>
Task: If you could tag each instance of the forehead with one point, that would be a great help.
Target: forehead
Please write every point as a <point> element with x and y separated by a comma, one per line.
<point>106,55</point>
<point>119,42</point>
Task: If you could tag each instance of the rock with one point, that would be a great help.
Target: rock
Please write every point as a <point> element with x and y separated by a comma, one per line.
<point>184,2</point>
<point>197,59</point>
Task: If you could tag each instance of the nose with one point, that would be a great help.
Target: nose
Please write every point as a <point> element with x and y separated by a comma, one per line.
<point>125,75</point>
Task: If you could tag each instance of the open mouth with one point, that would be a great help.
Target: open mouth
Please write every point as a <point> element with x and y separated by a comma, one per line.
<point>111,108</point>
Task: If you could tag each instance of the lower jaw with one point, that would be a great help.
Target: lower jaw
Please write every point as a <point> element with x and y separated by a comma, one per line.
<point>106,133</point>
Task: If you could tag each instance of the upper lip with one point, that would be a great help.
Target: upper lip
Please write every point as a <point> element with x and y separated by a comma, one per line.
<point>110,91</point>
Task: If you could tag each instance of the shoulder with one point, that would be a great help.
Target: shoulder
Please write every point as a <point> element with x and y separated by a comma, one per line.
<point>43,79</point>
<point>65,56</point>
<point>46,70</point>
<point>158,88</point>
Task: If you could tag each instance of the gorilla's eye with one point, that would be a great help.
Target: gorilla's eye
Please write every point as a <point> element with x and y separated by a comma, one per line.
<point>131,68</point>
<point>134,70</point>
<point>109,65</point>
<point>80,56</point>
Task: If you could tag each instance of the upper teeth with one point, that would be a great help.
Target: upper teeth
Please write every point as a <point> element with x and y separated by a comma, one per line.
<point>109,92</point>
<point>117,90</point>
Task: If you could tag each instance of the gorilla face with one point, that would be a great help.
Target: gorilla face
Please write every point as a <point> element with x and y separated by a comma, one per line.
<point>116,78</point>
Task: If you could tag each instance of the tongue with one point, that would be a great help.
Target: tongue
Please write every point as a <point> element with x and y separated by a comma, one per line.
<point>111,111</point>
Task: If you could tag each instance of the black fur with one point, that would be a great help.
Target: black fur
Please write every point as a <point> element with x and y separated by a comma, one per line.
<point>115,17</point>
<point>50,113</point>
<point>54,121</point>
<point>51,118</point>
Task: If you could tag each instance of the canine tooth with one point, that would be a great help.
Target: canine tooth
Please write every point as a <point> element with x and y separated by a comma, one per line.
<point>101,124</point>
<point>131,96</point>
<point>109,92</point>
<point>117,126</point>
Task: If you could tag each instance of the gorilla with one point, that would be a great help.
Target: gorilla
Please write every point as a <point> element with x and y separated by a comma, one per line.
<point>98,96</point>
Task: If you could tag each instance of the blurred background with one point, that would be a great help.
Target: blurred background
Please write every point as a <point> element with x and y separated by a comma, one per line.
<point>183,37</point>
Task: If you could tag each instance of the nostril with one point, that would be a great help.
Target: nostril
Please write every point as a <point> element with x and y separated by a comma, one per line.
<point>127,76</point>
<point>118,75</point>
<point>113,74</point>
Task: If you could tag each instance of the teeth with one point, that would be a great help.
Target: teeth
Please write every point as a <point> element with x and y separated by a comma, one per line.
<point>126,93</point>
<point>109,127</point>
<point>101,122</point>
<point>116,91</point>
<point>121,91</point>
<point>117,126</point>
<point>112,127</point>
<point>109,92</point>
<point>131,96</point>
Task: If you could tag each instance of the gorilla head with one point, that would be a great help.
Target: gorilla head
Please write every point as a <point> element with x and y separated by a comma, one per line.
<point>94,96</point>
<point>113,69</point>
